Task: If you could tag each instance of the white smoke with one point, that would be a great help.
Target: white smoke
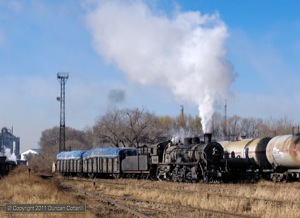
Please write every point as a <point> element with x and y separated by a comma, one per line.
<point>184,52</point>
<point>10,156</point>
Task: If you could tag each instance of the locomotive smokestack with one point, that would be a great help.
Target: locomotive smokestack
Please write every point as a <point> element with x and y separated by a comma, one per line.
<point>207,137</point>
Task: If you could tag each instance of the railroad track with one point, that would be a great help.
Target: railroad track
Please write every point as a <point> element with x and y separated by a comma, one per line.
<point>113,203</point>
<point>210,191</point>
<point>148,208</point>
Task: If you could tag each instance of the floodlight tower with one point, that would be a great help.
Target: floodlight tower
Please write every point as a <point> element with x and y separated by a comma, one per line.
<point>62,78</point>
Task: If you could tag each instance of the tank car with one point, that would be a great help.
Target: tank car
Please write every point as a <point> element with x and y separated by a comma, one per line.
<point>283,153</point>
<point>246,159</point>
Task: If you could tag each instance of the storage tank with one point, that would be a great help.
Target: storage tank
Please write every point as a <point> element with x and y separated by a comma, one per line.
<point>284,151</point>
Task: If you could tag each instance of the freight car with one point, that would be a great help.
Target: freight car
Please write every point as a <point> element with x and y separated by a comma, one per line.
<point>105,161</point>
<point>69,163</point>
<point>102,162</point>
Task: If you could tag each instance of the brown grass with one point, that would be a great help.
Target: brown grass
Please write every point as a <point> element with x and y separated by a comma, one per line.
<point>20,188</point>
<point>264,199</point>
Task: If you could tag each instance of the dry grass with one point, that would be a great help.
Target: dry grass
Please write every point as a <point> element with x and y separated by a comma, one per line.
<point>19,188</point>
<point>264,199</point>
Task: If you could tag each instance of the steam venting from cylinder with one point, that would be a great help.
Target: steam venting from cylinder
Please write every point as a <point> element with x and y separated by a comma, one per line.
<point>181,51</point>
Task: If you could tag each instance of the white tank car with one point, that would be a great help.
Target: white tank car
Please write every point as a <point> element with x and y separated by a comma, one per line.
<point>251,148</point>
<point>284,151</point>
<point>235,148</point>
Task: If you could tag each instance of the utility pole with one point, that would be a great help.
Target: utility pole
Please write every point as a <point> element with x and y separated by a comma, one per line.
<point>225,120</point>
<point>62,78</point>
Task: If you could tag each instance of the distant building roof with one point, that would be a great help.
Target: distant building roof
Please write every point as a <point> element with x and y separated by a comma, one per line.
<point>37,150</point>
<point>32,151</point>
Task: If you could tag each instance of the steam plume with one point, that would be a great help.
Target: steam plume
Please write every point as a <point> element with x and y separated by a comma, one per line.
<point>184,52</point>
<point>10,156</point>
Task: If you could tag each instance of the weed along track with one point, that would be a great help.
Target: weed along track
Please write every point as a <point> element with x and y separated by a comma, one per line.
<point>144,198</point>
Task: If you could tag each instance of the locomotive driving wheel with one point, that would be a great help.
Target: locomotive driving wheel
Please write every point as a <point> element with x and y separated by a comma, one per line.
<point>181,174</point>
<point>174,175</point>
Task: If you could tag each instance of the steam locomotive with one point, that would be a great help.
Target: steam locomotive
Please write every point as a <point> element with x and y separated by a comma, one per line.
<point>192,161</point>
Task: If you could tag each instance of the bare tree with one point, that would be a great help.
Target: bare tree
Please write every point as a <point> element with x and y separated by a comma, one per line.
<point>75,140</point>
<point>217,126</point>
<point>127,127</point>
<point>234,127</point>
<point>279,126</point>
<point>193,125</point>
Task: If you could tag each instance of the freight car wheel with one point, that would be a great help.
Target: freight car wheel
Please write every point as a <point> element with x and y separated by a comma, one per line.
<point>91,175</point>
<point>274,179</point>
<point>117,176</point>
<point>285,177</point>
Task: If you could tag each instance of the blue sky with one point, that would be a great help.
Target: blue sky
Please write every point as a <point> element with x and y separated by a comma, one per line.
<point>40,38</point>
